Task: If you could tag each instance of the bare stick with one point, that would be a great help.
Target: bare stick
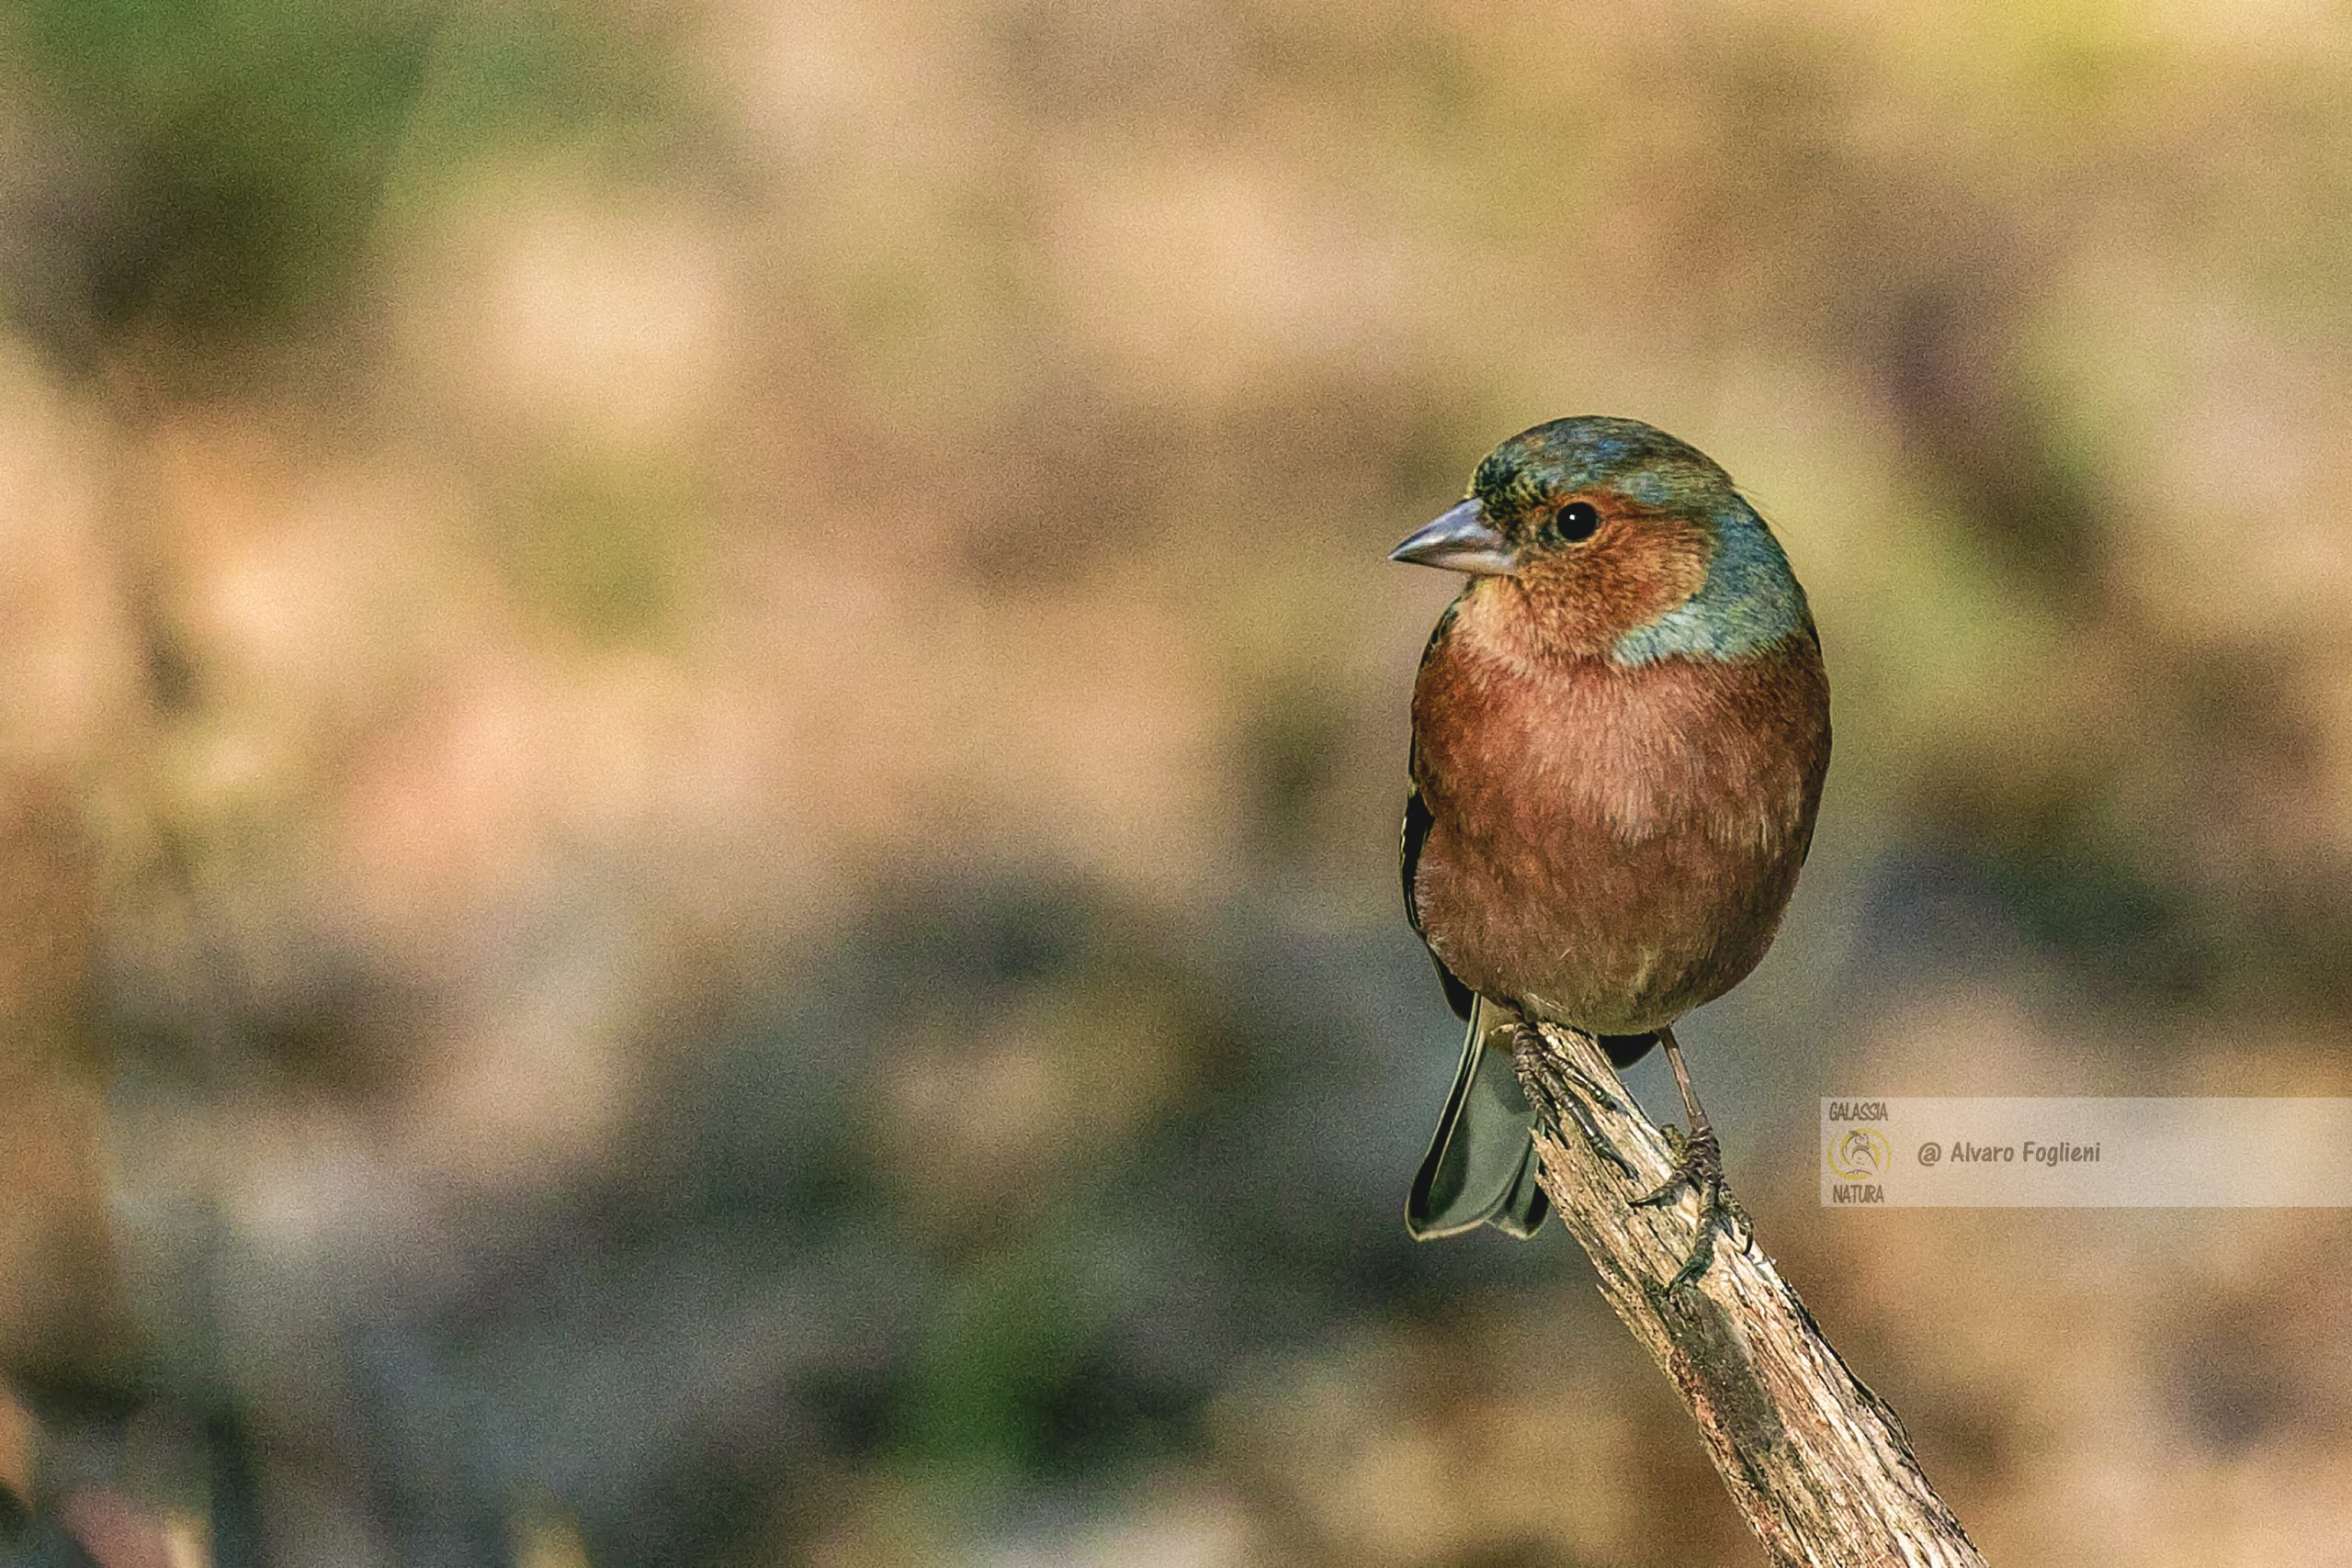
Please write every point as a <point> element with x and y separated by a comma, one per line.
<point>1819,1464</point>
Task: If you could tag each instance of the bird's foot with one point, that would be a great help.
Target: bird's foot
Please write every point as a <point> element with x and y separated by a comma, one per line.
<point>1699,1165</point>
<point>1576,1104</point>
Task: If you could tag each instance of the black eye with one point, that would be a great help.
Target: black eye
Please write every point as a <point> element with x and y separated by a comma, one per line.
<point>1574,522</point>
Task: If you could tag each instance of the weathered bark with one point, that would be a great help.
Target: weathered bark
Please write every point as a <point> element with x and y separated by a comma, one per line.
<point>1819,1464</point>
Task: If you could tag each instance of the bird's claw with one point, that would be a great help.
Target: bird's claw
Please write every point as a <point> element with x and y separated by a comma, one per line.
<point>1595,1139</point>
<point>1699,1165</point>
<point>1572,1106</point>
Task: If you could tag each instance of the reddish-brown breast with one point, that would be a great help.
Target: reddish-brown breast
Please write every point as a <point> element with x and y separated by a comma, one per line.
<point>1610,846</point>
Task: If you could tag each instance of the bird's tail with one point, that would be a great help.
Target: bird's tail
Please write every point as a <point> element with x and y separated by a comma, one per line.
<point>1481,1166</point>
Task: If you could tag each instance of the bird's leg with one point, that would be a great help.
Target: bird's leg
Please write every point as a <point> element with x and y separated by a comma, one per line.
<point>1571,1105</point>
<point>1697,1165</point>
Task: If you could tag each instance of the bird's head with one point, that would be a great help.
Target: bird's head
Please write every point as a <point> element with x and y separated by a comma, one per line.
<point>1607,537</point>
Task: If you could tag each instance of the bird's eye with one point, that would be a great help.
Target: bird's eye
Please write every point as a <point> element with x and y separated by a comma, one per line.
<point>1576,521</point>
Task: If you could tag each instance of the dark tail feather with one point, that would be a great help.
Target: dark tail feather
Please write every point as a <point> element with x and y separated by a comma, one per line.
<point>1481,1166</point>
<point>1624,1050</point>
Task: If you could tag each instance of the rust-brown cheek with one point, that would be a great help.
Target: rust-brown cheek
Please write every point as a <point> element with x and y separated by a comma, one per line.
<point>1580,598</point>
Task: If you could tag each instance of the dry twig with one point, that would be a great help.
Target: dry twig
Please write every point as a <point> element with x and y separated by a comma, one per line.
<point>1819,1464</point>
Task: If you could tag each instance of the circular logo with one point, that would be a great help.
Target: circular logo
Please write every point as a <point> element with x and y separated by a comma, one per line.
<point>1859,1154</point>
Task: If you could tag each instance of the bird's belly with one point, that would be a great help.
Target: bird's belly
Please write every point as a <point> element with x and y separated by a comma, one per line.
<point>1610,849</point>
<point>1588,929</point>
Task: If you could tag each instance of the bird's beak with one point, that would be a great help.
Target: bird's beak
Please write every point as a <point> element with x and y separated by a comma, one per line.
<point>1462,540</point>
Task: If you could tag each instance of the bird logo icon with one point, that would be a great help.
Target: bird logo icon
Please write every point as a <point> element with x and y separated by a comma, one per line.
<point>1859,1154</point>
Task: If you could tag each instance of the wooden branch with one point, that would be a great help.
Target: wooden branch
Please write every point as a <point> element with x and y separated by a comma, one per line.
<point>1818,1463</point>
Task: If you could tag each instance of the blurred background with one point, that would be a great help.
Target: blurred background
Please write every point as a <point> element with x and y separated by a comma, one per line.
<point>703,729</point>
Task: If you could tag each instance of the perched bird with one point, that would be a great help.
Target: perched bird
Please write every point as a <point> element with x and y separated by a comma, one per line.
<point>1620,730</point>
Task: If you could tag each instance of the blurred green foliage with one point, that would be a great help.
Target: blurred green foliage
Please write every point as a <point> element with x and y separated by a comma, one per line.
<point>235,158</point>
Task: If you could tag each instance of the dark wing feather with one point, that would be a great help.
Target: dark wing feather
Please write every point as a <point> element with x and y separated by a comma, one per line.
<point>1415,833</point>
<point>1417,830</point>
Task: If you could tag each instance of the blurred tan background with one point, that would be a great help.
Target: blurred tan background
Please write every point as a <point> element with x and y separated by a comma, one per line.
<point>703,729</point>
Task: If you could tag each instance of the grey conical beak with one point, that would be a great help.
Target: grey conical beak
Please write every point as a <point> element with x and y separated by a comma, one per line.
<point>1462,540</point>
